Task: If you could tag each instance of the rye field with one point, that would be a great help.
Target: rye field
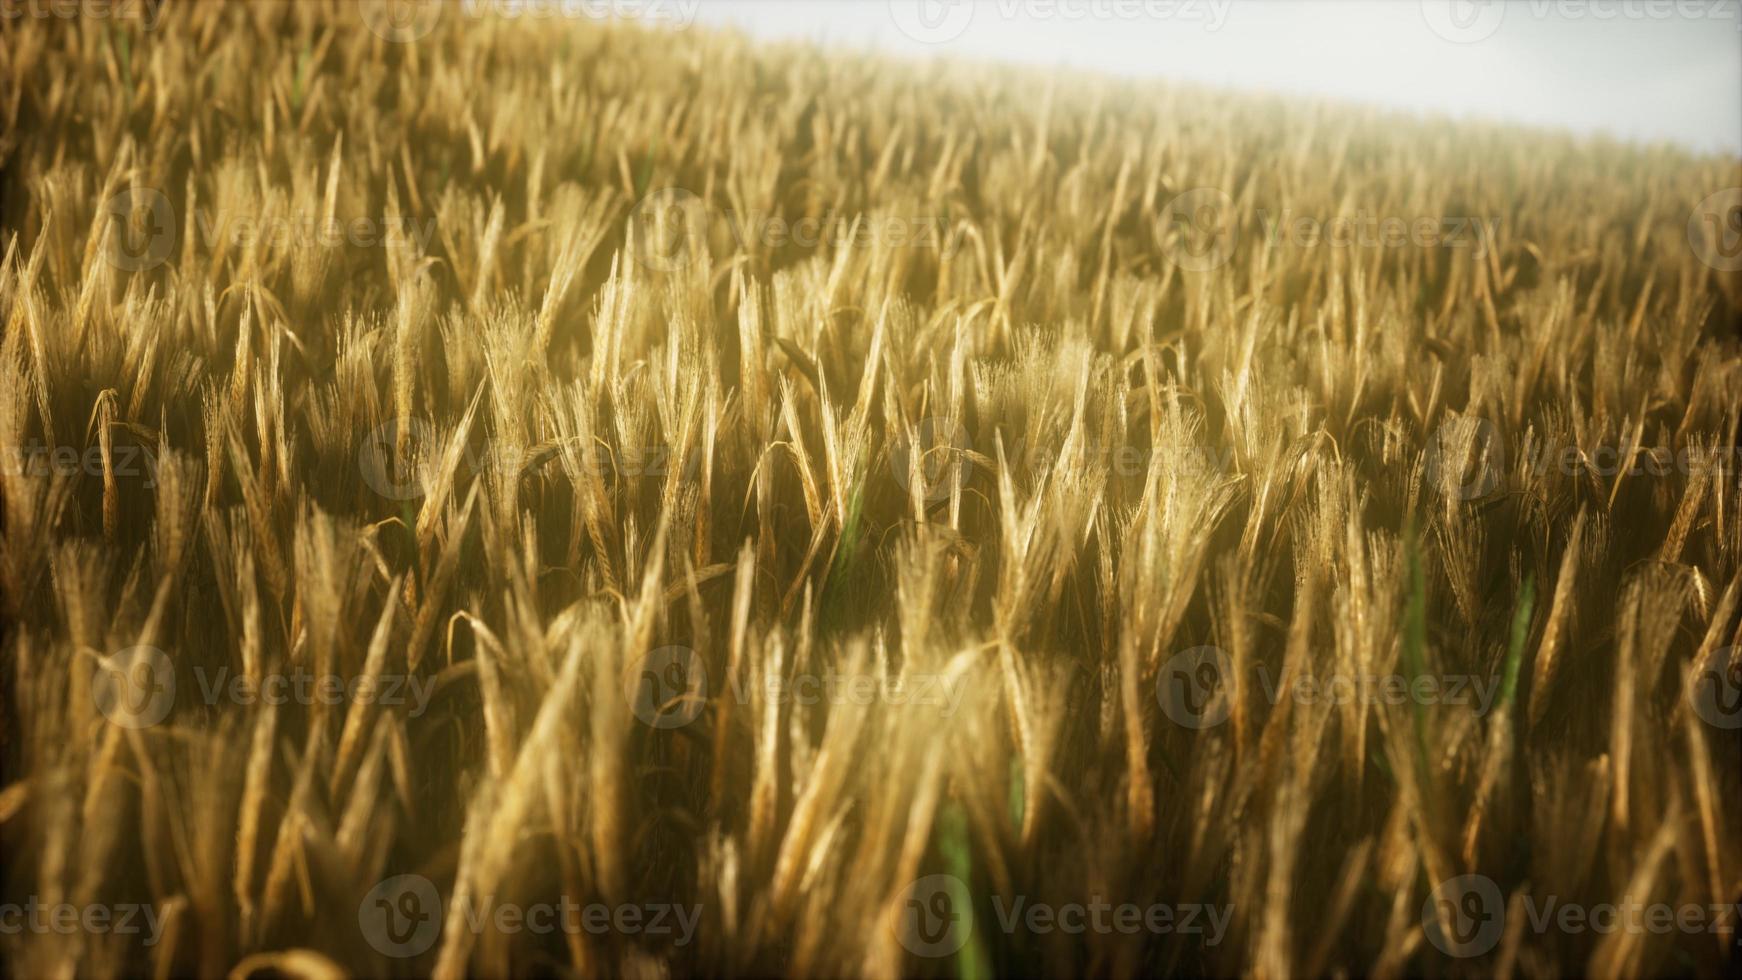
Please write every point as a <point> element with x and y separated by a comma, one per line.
<point>489,497</point>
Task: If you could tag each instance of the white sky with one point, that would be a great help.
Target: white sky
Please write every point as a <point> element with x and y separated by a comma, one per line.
<point>1637,69</point>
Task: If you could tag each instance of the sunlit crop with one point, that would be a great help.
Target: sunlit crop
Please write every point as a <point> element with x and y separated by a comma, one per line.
<point>585,474</point>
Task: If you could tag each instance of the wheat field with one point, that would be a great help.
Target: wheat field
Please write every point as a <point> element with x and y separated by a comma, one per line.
<point>594,499</point>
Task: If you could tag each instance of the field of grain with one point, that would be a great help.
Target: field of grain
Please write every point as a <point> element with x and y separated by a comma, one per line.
<point>590,499</point>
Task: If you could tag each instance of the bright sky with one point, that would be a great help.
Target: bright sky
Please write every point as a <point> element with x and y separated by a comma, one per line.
<point>1637,69</point>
